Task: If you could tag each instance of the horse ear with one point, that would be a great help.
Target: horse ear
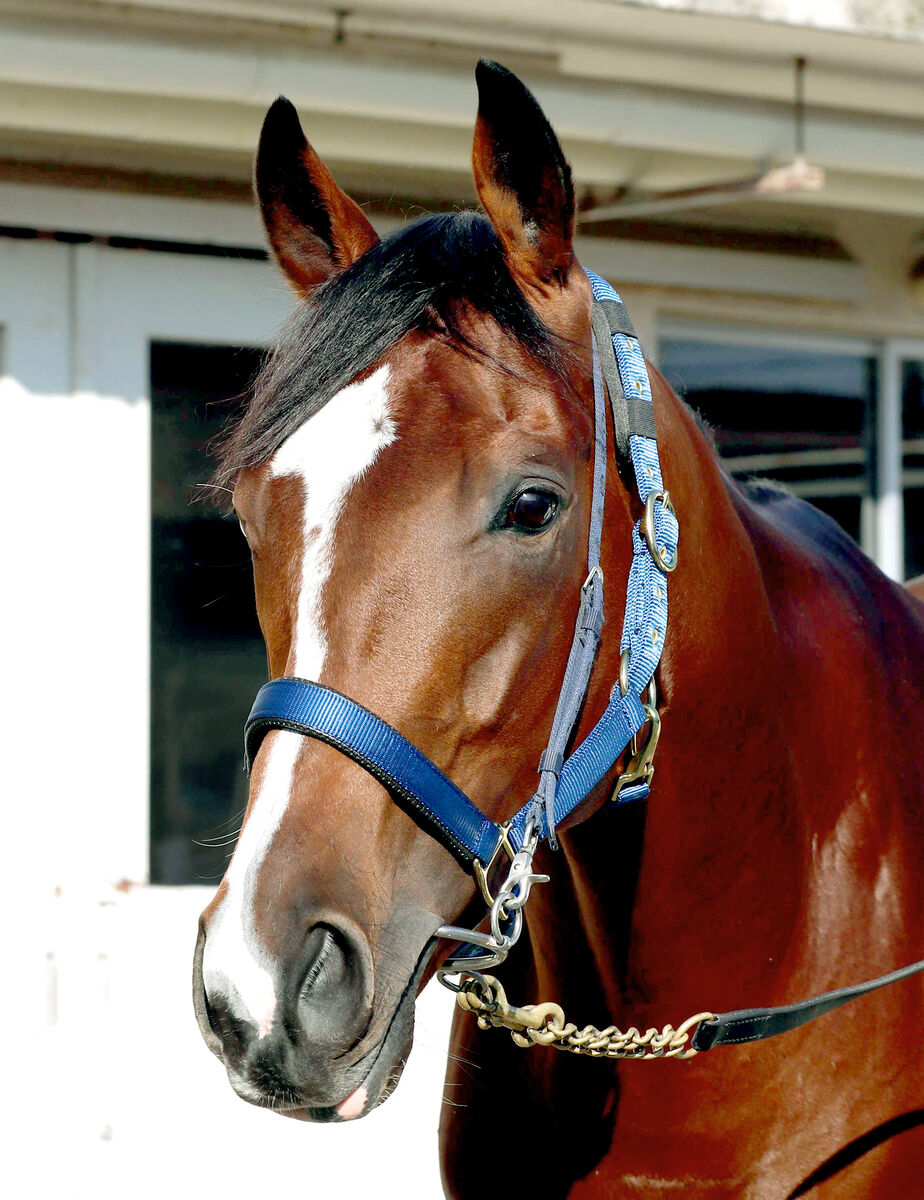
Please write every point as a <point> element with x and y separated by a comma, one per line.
<point>522,179</point>
<point>315,230</point>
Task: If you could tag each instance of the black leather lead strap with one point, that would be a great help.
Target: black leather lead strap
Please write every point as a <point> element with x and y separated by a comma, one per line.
<point>755,1024</point>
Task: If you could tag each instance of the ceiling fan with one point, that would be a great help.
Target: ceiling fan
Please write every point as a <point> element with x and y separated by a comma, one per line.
<point>797,176</point>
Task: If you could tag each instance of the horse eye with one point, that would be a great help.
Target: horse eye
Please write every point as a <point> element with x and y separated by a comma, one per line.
<point>532,511</point>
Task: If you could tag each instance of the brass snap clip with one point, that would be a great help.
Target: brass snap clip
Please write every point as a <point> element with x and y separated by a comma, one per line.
<point>482,872</point>
<point>640,766</point>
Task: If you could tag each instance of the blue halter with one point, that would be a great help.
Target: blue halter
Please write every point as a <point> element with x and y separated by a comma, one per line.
<point>415,783</point>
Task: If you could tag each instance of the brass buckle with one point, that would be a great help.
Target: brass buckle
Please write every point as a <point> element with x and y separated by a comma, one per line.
<point>624,661</point>
<point>658,553</point>
<point>481,873</point>
<point>641,764</point>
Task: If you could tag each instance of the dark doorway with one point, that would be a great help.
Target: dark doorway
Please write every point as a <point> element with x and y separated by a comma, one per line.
<point>207,655</point>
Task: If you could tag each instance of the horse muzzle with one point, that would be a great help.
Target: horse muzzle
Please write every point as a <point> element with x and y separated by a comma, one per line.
<point>291,1037</point>
<point>319,1050</point>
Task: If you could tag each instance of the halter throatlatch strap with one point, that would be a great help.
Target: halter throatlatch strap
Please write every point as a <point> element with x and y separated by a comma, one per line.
<point>587,629</point>
<point>654,555</point>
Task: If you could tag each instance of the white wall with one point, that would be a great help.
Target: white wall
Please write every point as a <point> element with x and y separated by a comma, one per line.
<point>113,1090</point>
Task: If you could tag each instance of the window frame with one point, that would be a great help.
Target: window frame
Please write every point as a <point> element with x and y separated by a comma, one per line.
<point>124,300</point>
<point>891,528</point>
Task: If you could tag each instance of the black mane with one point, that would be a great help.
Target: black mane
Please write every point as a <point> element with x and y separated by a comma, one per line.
<point>422,277</point>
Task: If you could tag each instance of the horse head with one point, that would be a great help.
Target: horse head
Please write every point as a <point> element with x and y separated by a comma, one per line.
<point>413,478</point>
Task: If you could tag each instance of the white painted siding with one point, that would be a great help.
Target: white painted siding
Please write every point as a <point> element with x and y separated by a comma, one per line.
<point>114,1090</point>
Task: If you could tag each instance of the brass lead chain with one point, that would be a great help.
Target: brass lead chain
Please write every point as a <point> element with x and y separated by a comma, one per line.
<point>545,1025</point>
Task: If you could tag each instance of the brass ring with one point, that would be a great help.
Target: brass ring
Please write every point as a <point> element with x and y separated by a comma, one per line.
<point>624,660</point>
<point>658,553</point>
<point>624,673</point>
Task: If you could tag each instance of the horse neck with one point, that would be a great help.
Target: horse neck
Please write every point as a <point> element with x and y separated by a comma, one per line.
<point>699,897</point>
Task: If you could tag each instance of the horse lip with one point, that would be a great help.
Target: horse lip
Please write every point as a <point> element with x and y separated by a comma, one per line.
<point>368,1045</point>
<point>391,1064</point>
<point>379,1065</point>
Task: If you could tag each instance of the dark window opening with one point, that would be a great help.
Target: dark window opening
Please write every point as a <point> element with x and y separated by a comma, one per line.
<point>802,417</point>
<point>207,654</point>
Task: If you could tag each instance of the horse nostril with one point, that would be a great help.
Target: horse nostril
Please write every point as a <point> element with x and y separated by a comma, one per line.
<point>211,1017</point>
<point>329,996</point>
<point>319,948</point>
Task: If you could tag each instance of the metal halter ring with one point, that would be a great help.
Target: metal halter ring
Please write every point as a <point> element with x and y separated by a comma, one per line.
<point>658,553</point>
<point>624,660</point>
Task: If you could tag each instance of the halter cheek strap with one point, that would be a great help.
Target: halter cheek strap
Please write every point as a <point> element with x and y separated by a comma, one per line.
<point>417,784</point>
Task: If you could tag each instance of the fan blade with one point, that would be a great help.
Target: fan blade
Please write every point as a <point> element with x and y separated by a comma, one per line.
<point>797,176</point>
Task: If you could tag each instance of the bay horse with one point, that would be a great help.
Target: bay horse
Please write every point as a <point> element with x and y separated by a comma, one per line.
<point>414,477</point>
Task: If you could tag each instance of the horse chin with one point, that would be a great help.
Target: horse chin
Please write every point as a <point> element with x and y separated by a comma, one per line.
<point>386,1063</point>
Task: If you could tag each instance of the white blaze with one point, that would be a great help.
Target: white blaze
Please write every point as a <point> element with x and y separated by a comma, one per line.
<point>330,452</point>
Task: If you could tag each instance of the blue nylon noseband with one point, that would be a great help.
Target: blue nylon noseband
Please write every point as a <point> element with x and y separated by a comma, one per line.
<point>415,783</point>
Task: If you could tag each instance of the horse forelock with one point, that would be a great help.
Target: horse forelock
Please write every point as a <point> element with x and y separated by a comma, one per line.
<point>428,276</point>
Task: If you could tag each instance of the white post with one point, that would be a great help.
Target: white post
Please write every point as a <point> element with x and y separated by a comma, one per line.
<point>890,514</point>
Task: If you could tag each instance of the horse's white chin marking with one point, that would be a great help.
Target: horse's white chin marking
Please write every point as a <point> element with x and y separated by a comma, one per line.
<point>330,452</point>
